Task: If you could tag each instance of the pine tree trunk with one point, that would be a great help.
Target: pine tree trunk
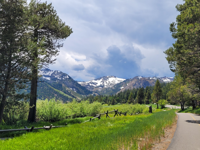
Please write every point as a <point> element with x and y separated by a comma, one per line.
<point>5,91</point>
<point>34,80</point>
<point>33,96</point>
<point>193,105</point>
<point>195,102</point>
<point>3,102</point>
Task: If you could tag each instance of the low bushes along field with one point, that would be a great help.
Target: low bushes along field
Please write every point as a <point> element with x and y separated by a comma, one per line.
<point>190,110</point>
<point>51,110</point>
<point>107,133</point>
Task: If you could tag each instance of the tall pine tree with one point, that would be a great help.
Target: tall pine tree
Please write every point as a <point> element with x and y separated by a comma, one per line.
<point>46,30</point>
<point>130,98</point>
<point>157,92</point>
<point>140,96</point>
<point>184,56</point>
<point>14,61</point>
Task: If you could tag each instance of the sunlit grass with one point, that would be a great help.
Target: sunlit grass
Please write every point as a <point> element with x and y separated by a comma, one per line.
<point>21,124</point>
<point>106,133</point>
<point>190,110</point>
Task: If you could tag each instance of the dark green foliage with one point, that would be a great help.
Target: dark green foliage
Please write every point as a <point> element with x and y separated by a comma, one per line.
<point>140,96</point>
<point>147,95</point>
<point>15,111</point>
<point>46,91</point>
<point>46,31</point>
<point>184,56</point>
<point>14,61</point>
<point>123,97</point>
<point>157,92</point>
<point>130,98</point>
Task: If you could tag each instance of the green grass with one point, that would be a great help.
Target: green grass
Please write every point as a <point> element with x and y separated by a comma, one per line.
<point>21,124</point>
<point>189,110</point>
<point>106,133</point>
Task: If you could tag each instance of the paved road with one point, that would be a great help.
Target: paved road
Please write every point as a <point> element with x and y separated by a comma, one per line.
<point>187,135</point>
<point>175,107</point>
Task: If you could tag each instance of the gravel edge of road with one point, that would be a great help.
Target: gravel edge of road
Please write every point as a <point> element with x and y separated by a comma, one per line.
<point>165,140</point>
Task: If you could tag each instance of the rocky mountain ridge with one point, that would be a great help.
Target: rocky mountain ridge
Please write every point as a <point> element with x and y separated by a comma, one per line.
<point>59,83</point>
<point>107,85</point>
<point>115,84</point>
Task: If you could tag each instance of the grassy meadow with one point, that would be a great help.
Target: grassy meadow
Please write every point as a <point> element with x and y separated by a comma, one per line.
<point>118,132</point>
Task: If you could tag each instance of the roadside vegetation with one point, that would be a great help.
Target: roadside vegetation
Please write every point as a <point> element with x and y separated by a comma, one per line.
<point>191,110</point>
<point>106,133</point>
<point>136,130</point>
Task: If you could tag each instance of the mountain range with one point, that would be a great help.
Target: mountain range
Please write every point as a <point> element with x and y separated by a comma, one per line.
<point>61,86</point>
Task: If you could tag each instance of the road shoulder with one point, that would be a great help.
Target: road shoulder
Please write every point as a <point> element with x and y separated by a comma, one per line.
<point>165,141</point>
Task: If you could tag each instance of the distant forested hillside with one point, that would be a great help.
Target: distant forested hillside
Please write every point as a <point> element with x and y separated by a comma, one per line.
<point>131,96</point>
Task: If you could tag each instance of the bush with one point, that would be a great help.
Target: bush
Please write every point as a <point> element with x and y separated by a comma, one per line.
<point>15,111</point>
<point>94,109</point>
<point>83,108</point>
<point>51,110</point>
<point>129,108</point>
<point>162,103</point>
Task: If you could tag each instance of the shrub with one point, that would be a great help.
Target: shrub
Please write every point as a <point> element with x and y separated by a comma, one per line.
<point>162,103</point>
<point>51,110</point>
<point>94,109</point>
<point>83,108</point>
<point>15,111</point>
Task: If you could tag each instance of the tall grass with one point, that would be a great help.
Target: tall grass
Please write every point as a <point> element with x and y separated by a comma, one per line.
<point>83,108</point>
<point>51,110</point>
<point>109,134</point>
<point>129,108</point>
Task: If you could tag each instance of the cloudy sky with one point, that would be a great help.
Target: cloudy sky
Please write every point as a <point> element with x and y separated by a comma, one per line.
<point>124,38</point>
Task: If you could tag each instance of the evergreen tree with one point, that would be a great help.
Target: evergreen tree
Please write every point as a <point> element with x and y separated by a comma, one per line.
<point>13,51</point>
<point>183,57</point>
<point>130,99</point>
<point>178,92</point>
<point>46,29</point>
<point>140,95</point>
<point>157,92</point>
<point>113,101</point>
<point>147,97</point>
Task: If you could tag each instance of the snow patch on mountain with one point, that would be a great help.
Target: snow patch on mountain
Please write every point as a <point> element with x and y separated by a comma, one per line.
<point>47,78</point>
<point>167,79</point>
<point>46,72</point>
<point>104,82</point>
<point>49,74</point>
<point>164,79</point>
<point>153,78</point>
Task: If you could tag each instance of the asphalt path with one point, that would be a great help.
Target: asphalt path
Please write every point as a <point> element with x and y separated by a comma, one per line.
<point>187,134</point>
<point>174,107</point>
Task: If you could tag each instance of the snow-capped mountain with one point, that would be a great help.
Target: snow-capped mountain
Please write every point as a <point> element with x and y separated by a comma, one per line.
<point>60,83</point>
<point>140,81</point>
<point>107,85</point>
<point>111,85</point>
<point>164,79</point>
<point>104,82</point>
<point>52,75</point>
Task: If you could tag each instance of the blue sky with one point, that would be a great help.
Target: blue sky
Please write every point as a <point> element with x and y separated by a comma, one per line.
<point>124,38</point>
